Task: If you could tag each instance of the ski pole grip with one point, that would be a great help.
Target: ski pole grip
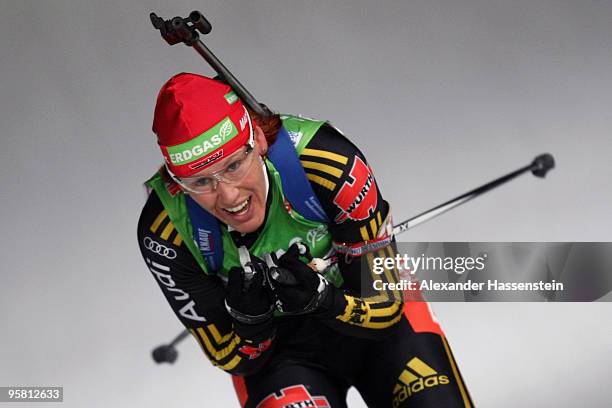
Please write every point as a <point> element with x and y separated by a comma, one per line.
<point>542,164</point>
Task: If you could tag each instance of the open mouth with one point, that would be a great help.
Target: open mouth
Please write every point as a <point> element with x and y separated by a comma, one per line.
<point>240,208</point>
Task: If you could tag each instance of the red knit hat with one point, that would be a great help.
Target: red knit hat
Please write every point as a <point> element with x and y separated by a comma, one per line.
<point>198,121</point>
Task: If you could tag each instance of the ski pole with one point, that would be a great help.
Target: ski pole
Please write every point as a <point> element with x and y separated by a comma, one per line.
<point>538,167</point>
<point>185,30</point>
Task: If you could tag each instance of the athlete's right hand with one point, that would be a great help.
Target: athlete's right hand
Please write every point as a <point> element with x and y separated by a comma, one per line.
<point>297,288</point>
<point>247,300</point>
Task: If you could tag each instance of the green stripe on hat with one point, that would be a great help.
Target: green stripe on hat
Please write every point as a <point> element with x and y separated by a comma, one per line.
<point>230,97</point>
<point>202,145</point>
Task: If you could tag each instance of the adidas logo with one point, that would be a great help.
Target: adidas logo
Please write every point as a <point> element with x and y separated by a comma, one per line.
<point>416,377</point>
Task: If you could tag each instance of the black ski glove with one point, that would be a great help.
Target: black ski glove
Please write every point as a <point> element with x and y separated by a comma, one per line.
<point>296,287</point>
<point>248,301</point>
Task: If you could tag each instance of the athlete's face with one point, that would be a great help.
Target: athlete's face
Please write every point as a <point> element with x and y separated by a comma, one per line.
<point>241,204</point>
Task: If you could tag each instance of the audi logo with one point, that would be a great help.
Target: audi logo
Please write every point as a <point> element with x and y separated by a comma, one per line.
<point>158,248</point>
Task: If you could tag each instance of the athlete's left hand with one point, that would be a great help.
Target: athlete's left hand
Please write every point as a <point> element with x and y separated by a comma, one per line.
<point>296,287</point>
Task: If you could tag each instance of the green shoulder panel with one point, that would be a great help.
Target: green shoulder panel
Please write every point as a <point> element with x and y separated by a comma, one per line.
<point>301,130</point>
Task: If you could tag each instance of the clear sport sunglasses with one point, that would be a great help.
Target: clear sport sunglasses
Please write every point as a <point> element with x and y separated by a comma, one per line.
<point>238,167</point>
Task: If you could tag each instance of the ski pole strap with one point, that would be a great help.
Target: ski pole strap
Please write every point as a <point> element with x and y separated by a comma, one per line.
<point>361,248</point>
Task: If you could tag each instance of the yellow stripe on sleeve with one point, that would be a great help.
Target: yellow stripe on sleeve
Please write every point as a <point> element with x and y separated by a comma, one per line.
<point>392,274</point>
<point>331,170</point>
<point>217,336</point>
<point>323,182</point>
<point>217,354</point>
<point>382,325</point>
<point>232,363</point>
<point>359,313</point>
<point>377,299</point>
<point>386,311</point>
<point>326,155</point>
<point>167,231</point>
<point>178,240</point>
<point>203,339</point>
<point>158,220</point>
<point>348,310</point>
<point>373,227</point>
<point>364,233</point>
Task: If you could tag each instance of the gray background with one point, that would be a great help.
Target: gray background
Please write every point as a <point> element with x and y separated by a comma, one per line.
<point>441,95</point>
